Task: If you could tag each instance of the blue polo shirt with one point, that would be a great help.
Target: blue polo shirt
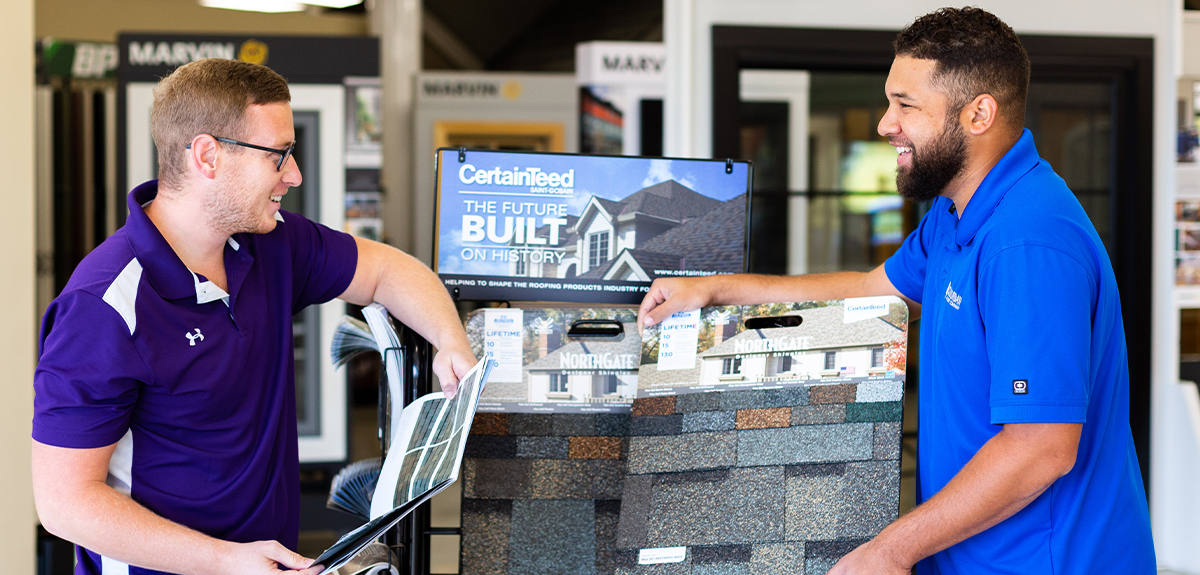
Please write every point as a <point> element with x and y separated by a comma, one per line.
<point>194,384</point>
<point>1021,323</point>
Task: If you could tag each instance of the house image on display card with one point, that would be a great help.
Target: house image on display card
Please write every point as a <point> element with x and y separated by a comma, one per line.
<point>664,229</point>
<point>595,371</point>
<point>823,346</point>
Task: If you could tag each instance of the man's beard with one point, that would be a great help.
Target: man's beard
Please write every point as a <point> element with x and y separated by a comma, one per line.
<point>231,209</point>
<point>939,162</point>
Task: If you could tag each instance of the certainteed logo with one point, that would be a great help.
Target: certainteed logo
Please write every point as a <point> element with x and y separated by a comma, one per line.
<point>952,298</point>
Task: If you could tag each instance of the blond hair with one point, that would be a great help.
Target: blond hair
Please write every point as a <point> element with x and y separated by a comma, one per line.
<point>208,96</point>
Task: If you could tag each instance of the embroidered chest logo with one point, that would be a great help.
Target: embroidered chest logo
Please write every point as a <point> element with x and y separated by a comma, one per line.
<point>193,337</point>
<point>952,298</point>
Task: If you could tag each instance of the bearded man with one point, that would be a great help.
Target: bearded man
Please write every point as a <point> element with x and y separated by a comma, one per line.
<point>1026,460</point>
<point>164,430</point>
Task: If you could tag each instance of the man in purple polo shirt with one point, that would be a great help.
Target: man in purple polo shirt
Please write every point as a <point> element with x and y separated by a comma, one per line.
<point>164,432</point>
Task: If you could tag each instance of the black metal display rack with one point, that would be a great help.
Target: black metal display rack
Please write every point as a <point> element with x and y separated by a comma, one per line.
<point>409,540</point>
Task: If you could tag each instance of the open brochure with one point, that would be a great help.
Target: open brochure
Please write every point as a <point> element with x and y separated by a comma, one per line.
<point>428,439</point>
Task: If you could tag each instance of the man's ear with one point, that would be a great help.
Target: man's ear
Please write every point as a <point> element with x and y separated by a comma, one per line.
<point>980,115</point>
<point>202,155</point>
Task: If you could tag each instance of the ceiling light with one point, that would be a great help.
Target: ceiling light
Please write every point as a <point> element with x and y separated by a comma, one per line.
<point>333,3</point>
<point>255,5</point>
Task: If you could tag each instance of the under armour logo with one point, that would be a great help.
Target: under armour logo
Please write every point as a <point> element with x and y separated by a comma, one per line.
<point>192,338</point>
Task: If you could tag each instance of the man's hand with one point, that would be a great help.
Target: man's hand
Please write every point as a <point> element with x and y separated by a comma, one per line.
<point>451,364</point>
<point>267,557</point>
<point>668,296</point>
<point>870,559</point>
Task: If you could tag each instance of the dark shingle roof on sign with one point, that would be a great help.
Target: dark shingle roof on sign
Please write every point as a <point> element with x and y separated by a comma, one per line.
<point>649,261</point>
<point>715,241</point>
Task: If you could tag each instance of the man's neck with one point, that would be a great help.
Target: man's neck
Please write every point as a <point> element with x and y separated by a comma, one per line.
<point>180,219</point>
<point>980,162</point>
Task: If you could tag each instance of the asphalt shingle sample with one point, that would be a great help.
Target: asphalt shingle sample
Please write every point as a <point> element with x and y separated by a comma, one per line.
<point>528,476</point>
<point>552,537</point>
<point>777,481</point>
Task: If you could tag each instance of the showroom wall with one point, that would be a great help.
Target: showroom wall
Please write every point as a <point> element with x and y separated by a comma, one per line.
<point>18,327</point>
<point>688,132</point>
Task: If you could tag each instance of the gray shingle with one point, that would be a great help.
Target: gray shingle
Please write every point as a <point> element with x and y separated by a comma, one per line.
<point>818,414</point>
<point>496,478</point>
<point>777,559</point>
<point>612,424</point>
<point>608,512</point>
<point>805,444</point>
<point>683,452</point>
<point>635,507</point>
<point>709,421</point>
<point>656,425</point>
<point>887,440</point>
<point>721,569</point>
<point>747,508</point>
<point>542,447</point>
<point>530,423</point>
<point>720,554</point>
<point>692,402</point>
<point>576,424</point>
<point>487,523</point>
<point>856,504</point>
<point>576,479</point>
<point>875,391</point>
<point>534,547</point>
<point>765,398</point>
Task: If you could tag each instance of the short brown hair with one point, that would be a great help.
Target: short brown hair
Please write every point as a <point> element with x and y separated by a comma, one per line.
<point>976,53</point>
<point>208,96</point>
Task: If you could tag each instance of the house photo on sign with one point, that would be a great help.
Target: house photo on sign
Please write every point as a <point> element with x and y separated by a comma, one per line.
<point>557,360</point>
<point>589,229</point>
<point>860,340</point>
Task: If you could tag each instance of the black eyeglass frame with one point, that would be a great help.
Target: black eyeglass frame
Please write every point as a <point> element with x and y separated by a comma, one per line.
<point>284,153</point>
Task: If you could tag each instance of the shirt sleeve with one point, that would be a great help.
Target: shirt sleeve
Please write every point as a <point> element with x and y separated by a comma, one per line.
<point>1037,303</point>
<point>906,268</point>
<point>89,374</point>
<point>323,261</point>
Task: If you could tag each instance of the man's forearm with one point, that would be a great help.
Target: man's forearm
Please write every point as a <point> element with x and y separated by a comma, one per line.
<point>1009,472</point>
<point>753,289</point>
<point>98,518</point>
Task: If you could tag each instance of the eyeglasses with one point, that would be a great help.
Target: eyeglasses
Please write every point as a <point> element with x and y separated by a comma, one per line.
<point>284,153</point>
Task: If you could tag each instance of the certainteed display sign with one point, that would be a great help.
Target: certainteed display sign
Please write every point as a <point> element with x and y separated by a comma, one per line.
<point>527,226</point>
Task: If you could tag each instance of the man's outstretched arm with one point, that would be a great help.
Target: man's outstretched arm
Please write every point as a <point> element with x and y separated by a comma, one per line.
<point>672,295</point>
<point>74,502</point>
<point>412,293</point>
<point>1011,470</point>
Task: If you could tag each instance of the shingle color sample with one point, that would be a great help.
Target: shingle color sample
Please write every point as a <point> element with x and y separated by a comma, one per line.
<point>553,537</point>
<point>682,452</point>
<point>805,444</point>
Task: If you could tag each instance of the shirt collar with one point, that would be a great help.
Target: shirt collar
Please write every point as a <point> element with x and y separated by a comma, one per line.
<point>1018,161</point>
<point>166,272</point>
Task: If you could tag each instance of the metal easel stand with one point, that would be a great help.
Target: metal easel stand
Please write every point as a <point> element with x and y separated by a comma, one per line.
<point>409,540</point>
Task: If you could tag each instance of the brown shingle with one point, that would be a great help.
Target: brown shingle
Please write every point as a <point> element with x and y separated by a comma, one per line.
<point>490,424</point>
<point>654,406</point>
<point>595,448</point>
<point>837,393</point>
<point>764,418</point>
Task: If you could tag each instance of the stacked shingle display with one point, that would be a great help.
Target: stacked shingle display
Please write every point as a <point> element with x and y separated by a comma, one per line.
<point>541,493</point>
<point>768,481</point>
<point>781,480</point>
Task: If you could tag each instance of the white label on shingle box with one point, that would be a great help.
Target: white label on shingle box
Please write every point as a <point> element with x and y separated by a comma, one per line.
<point>677,339</point>
<point>502,343</point>
<point>860,308</point>
<point>659,555</point>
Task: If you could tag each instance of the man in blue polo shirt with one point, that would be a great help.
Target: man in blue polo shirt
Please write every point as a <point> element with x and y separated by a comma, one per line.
<point>1026,459</point>
<point>164,431</point>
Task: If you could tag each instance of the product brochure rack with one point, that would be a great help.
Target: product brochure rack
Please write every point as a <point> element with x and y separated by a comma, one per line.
<point>409,540</point>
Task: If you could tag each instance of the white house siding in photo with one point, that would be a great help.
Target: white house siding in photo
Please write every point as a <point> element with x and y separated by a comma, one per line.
<point>687,35</point>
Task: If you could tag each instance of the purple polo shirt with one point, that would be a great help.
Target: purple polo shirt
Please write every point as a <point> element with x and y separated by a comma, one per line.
<point>195,385</point>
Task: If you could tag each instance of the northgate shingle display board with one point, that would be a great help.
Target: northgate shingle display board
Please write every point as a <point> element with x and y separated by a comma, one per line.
<point>776,466</point>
